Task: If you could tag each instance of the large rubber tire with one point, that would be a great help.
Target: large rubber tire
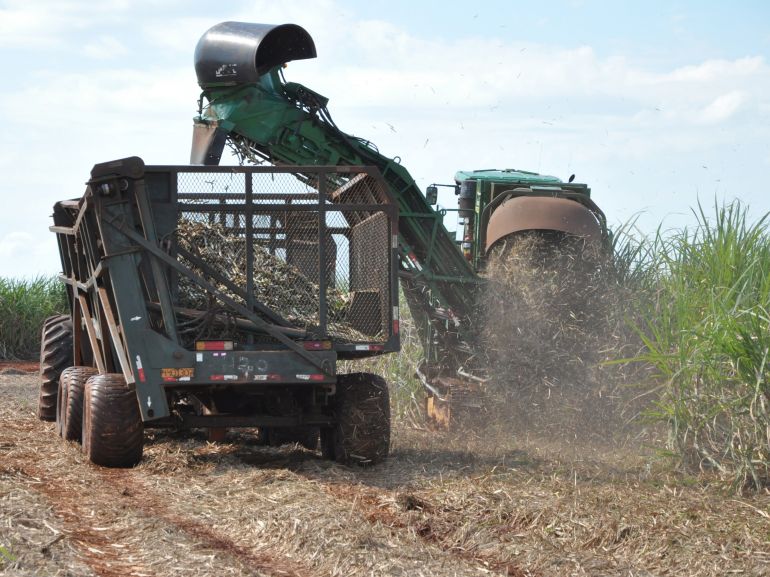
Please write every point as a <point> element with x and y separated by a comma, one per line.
<point>55,356</point>
<point>69,411</point>
<point>362,413</point>
<point>113,434</point>
<point>306,437</point>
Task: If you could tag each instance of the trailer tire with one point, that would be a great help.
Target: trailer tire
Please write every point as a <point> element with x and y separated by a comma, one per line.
<point>69,411</point>
<point>306,437</point>
<point>113,434</point>
<point>55,356</point>
<point>361,434</point>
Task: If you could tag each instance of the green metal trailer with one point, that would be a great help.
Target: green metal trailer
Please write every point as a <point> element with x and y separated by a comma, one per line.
<point>218,297</point>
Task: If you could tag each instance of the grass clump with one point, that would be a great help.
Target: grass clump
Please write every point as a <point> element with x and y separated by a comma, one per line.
<point>706,330</point>
<point>24,305</point>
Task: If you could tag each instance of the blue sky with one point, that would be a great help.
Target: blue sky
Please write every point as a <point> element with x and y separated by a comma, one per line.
<point>656,105</point>
<point>675,32</point>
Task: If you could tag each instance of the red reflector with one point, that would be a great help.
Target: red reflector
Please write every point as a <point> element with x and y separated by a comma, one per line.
<point>214,345</point>
<point>317,345</point>
<point>169,380</point>
<point>316,377</point>
<point>395,327</point>
<point>217,377</point>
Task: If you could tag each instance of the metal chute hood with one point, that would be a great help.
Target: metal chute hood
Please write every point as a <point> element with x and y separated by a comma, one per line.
<point>233,53</point>
<point>524,213</point>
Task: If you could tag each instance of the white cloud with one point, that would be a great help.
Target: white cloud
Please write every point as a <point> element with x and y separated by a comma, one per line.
<point>105,48</point>
<point>391,68</point>
<point>712,70</point>
<point>180,38</point>
<point>722,108</point>
<point>105,98</point>
<point>42,24</point>
<point>12,242</point>
<point>26,25</point>
<point>23,254</point>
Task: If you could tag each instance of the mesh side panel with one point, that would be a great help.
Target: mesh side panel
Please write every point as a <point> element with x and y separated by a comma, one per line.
<point>208,228</point>
<point>359,189</point>
<point>285,248</point>
<point>293,251</point>
<point>366,272</point>
<point>270,188</point>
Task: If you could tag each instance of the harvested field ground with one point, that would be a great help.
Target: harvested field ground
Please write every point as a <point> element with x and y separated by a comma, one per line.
<point>467,504</point>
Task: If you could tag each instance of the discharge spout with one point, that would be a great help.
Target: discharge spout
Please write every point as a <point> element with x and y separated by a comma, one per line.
<point>234,53</point>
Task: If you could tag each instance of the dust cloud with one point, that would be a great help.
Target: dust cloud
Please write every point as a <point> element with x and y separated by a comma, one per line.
<point>556,320</point>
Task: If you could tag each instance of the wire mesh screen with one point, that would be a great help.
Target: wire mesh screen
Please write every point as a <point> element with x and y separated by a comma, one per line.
<point>267,241</point>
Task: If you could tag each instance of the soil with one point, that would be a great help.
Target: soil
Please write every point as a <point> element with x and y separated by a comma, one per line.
<point>16,367</point>
<point>467,503</point>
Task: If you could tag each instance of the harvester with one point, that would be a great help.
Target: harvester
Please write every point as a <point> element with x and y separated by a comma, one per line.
<point>247,104</point>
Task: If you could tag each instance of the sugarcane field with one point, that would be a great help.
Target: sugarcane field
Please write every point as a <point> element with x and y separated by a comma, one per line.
<point>556,482</point>
<point>328,343</point>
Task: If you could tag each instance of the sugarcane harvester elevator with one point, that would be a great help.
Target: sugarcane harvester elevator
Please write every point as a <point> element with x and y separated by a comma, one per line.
<point>248,105</point>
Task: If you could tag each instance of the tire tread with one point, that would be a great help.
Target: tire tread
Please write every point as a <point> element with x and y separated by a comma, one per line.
<point>55,356</point>
<point>70,413</point>
<point>362,411</point>
<point>113,434</point>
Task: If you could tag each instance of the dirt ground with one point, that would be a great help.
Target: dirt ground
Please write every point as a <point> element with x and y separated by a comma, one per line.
<point>444,504</point>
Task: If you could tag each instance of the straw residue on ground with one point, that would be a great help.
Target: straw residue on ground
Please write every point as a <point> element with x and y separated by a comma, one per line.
<point>444,504</point>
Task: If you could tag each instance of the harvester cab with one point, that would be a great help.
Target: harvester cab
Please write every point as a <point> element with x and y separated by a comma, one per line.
<point>494,205</point>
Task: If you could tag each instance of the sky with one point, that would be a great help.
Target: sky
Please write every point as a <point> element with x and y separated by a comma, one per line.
<point>657,106</point>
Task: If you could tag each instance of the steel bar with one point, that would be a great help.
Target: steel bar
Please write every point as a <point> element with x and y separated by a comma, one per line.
<point>117,341</point>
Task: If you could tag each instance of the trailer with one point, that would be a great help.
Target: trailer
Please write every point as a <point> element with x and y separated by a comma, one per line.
<point>220,297</point>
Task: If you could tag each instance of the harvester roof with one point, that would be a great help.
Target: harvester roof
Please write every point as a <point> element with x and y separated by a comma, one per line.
<point>508,175</point>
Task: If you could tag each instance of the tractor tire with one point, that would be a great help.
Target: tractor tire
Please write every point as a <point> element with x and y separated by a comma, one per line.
<point>113,434</point>
<point>55,356</point>
<point>361,434</point>
<point>69,412</point>
<point>306,437</point>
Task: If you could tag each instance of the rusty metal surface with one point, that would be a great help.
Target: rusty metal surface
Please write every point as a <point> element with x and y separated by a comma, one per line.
<point>542,213</point>
<point>437,412</point>
<point>460,403</point>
